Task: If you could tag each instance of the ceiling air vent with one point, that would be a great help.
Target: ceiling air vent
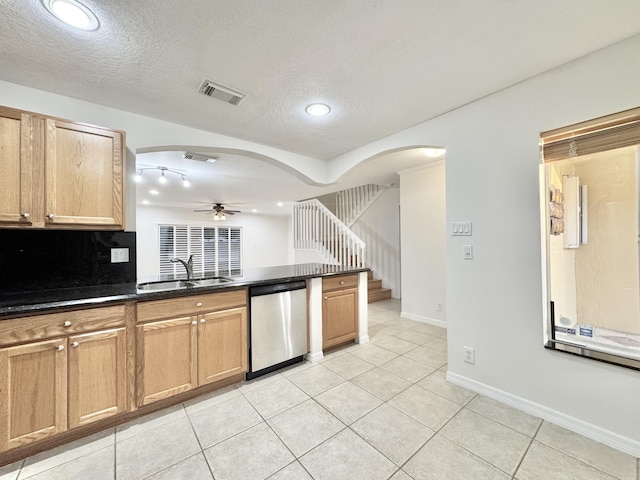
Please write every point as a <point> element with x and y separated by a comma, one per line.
<point>199,157</point>
<point>221,92</point>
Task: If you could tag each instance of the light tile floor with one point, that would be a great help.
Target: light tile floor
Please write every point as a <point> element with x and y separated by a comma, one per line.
<point>377,411</point>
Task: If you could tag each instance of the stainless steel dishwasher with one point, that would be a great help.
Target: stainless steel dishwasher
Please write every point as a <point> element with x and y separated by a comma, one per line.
<point>278,326</point>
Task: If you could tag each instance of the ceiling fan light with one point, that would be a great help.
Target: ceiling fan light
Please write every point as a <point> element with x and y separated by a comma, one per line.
<point>138,176</point>
<point>185,182</point>
<point>162,178</point>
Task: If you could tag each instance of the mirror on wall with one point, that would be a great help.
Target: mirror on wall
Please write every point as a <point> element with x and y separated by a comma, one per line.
<point>590,218</point>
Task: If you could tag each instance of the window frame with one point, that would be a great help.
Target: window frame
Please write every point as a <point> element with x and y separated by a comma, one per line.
<point>196,239</point>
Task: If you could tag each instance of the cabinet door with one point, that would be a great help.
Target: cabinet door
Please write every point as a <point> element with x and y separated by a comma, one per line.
<point>339,316</point>
<point>33,392</point>
<point>167,362</point>
<point>97,376</point>
<point>16,155</point>
<point>222,345</point>
<point>83,175</point>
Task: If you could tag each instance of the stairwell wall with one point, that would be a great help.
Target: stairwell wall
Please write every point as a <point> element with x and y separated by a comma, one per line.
<point>423,223</point>
<point>379,227</point>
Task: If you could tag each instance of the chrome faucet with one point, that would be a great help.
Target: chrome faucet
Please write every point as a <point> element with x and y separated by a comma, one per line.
<point>188,265</point>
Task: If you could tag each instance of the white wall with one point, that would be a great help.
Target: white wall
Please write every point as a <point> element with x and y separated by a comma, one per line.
<point>266,238</point>
<point>423,234</point>
<point>379,227</point>
<point>147,132</point>
<point>494,302</point>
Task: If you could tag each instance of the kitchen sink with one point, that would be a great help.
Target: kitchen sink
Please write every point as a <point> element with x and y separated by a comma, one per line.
<point>207,282</point>
<point>178,284</point>
<point>167,285</point>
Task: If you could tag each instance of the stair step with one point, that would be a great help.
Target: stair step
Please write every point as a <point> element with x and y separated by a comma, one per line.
<point>374,284</point>
<point>370,275</point>
<point>379,294</point>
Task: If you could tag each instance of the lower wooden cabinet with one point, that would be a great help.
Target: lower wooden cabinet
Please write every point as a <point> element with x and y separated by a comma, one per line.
<point>167,363</point>
<point>97,376</point>
<point>59,383</point>
<point>206,344</point>
<point>222,345</point>
<point>33,392</point>
<point>48,387</point>
<point>339,310</point>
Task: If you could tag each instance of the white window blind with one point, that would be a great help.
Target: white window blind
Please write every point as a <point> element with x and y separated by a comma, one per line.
<point>215,250</point>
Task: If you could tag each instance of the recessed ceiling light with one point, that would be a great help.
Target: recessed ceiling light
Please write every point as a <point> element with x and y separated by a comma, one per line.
<point>280,204</point>
<point>317,109</point>
<point>72,13</point>
<point>255,210</point>
<point>145,202</point>
<point>154,192</point>
<point>434,152</point>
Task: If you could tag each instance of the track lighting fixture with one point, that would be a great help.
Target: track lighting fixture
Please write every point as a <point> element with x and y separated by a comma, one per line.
<point>162,179</point>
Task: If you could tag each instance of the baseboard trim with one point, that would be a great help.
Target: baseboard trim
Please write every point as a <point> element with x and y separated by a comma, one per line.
<point>420,318</point>
<point>314,357</point>
<point>599,434</point>
<point>363,340</point>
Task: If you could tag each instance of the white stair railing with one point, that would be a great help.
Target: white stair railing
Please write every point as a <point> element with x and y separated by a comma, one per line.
<point>315,227</point>
<point>353,202</point>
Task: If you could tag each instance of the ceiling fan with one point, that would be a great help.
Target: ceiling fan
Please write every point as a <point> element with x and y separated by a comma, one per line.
<point>219,212</point>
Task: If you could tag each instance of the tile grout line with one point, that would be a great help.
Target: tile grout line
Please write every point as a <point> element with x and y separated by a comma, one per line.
<point>435,432</point>
<point>197,440</point>
<point>572,456</point>
<point>513,476</point>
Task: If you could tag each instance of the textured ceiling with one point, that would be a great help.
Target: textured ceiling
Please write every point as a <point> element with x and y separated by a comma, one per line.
<point>381,65</point>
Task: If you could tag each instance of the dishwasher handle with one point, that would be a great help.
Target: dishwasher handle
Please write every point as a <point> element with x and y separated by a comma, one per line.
<point>277,288</point>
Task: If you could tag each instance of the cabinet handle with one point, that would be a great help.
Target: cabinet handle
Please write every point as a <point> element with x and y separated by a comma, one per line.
<point>25,215</point>
<point>67,323</point>
<point>60,348</point>
<point>203,320</point>
<point>198,304</point>
<point>75,344</point>
<point>326,298</point>
<point>50,216</point>
<point>193,322</point>
<point>342,282</point>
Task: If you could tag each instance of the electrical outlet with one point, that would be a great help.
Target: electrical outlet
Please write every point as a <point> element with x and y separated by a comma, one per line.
<point>119,255</point>
<point>470,355</point>
<point>440,306</point>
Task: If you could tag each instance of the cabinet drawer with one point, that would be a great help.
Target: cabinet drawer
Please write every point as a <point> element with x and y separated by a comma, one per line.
<point>39,327</point>
<point>191,305</point>
<point>342,281</point>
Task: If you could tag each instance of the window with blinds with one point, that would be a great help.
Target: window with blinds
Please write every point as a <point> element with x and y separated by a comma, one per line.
<point>215,250</point>
<point>594,136</point>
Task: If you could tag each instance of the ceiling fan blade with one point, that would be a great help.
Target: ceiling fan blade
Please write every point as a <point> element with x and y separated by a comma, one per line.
<point>208,210</point>
<point>232,212</point>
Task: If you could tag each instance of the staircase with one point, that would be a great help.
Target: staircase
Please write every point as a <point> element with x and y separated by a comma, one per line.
<point>316,228</point>
<point>376,292</point>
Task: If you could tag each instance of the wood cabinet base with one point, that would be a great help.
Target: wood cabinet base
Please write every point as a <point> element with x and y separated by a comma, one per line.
<point>20,453</point>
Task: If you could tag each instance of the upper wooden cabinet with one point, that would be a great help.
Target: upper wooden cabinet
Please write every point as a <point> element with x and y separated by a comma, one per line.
<point>59,174</point>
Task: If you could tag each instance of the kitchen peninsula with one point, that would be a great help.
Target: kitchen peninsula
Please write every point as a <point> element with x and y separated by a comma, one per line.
<point>78,360</point>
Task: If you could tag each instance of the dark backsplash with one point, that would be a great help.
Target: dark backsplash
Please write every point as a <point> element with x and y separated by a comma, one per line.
<point>32,260</point>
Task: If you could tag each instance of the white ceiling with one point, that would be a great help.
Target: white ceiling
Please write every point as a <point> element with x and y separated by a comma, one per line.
<point>382,65</point>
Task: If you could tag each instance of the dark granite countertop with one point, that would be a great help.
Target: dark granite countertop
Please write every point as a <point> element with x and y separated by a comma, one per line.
<point>27,303</point>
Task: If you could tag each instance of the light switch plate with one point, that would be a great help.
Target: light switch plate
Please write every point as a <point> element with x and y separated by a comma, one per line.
<point>467,252</point>
<point>119,255</point>
<point>461,229</point>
